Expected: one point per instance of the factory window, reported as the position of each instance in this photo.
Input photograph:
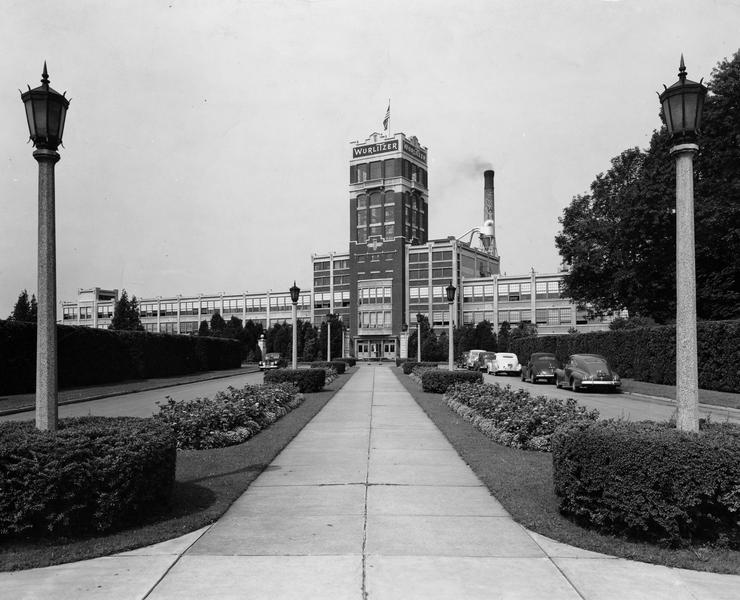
(376, 230)
(526, 291)
(361, 236)
(376, 216)
(418, 273)
(418, 257)
(468, 293)
(388, 213)
(70, 313)
(321, 266)
(341, 264)
(361, 218)
(361, 173)
(553, 289)
(189, 327)
(389, 231)
(445, 273)
(362, 201)
(565, 317)
(541, 316)
(376, 170)
(375, 199)
(514, 292)
(468, 317)
(541, 291)
(444, 255)
(392, 167)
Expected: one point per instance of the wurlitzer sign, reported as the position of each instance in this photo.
(372, 149)
(414, 151)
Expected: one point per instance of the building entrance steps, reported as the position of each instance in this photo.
(369, 501)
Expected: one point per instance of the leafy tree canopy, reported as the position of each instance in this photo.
(24, 310)
(126, 314)
(619, 240)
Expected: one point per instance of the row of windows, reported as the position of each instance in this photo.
(323, 265)
(372, 295)
(323, 300)
(380, 319)
(384, 169)
(437, 273)
(477, 293)
(421, 294)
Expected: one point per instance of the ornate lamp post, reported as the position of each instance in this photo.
(418, 337)
(450, 289)
(294, 293)
(46, 111)
(682, 106)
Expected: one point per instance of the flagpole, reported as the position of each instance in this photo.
(389, 117)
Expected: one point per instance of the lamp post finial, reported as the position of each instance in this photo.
(682, 69)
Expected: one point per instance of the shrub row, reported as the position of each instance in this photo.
(514, 417)
(94, 474)
(306, 380)
(230, 417)
(650, 481)
(649, 353)
(410, 365)
(90, 356)
(436, 381)
(338, 365)
(350, 360)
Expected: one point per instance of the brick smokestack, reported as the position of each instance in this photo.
(488, 205)
(488, 230)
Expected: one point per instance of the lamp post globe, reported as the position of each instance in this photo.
(294, 295)
(682, 105)
(46, 114)
(450, 290)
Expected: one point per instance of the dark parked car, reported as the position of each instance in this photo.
(541, 365)
(587, 370)
(272, 361)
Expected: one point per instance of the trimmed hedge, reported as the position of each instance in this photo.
(231, 417)
(338, 365)
(650, 481)
(400, 361)
(93, 474)
(350, 360)
(436, 381)
(514, 417)
(90, 356)
(649, 353)
(306, 380)
(410, 365)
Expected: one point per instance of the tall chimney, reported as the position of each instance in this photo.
(488, 207)
(488, 231)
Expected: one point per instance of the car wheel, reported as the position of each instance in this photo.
(523, 376)
(573, 386)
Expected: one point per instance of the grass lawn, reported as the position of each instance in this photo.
(207, 482)
(522, 481)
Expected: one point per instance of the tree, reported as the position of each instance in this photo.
(485, 338)
(504, 337)
(523, 330)
(25, 310)
(203, 330)
(126, 314)
(218, 325)
(619, 240)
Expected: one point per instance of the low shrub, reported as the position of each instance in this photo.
(400, 361)
(418, 372)
(651, 482)
(410, 365)
(93, 474)
(338, 365)
(350, 360)
(230, 417)
(306, 380)
(436, 381)
(514, 417)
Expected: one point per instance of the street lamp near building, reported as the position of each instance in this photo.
(294, 294)
(418, 336)
(682, 107)
(450, 289)
(46, 112)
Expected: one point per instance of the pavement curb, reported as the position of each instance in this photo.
(30, 407)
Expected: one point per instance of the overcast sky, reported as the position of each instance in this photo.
(207, 143)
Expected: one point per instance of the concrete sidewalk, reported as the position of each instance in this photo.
(368, 501)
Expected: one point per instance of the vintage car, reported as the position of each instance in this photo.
(484, 359)
(504, 363)
(473, 359)
(272, 360)
(587, 370)
(540, 366)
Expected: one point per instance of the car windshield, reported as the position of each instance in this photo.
(272, 356)
(487, 355)
(593, 364)
(545, 361)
